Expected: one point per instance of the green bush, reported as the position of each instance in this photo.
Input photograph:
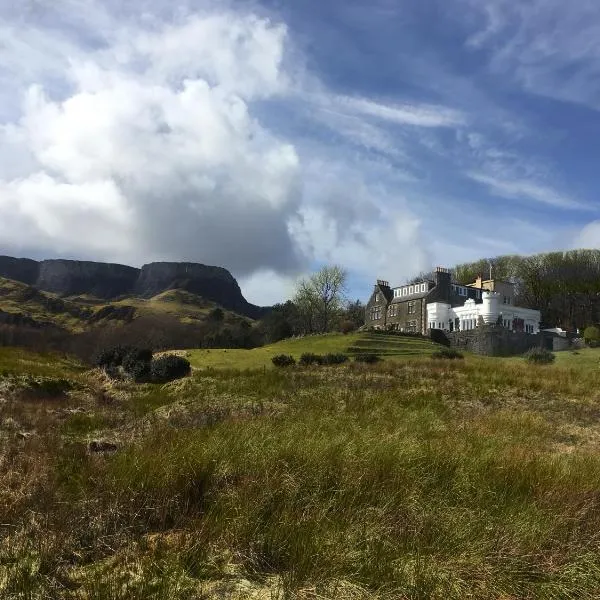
(116, 356)
(137, 363)
(168, 368)
(447, 353)
(308, 358)
(47, 387)
(539, 356)
(367, 357)
(283, 360)
(591, 335)
(335, 359)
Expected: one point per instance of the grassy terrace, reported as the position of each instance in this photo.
(410, 479)
(392, 347)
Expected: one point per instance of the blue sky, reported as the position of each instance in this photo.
(273, 137)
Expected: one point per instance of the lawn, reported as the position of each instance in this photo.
(388, 346)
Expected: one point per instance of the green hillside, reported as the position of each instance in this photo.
(388, 346)
(77, 314)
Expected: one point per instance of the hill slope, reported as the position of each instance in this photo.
(111, 281)
(82, 324)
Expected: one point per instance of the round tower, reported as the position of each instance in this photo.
(489, 309)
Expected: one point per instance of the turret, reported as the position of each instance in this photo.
(489, 310)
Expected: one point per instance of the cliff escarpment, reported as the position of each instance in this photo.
(110, 281)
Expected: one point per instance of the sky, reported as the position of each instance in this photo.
(276, 136)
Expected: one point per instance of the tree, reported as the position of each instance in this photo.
(355, 312)
(320, 298)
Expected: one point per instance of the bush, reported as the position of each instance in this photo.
(347, 327)
(335, 359)
(169, 367)
(591, 335)
(283, 360)
(447, 353)
(116, 356)
(216, 315)
(367, 357)
(539, 356)
(308, 358)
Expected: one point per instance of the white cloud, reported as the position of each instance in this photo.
(589, 236)
(149, 146)
(526, 190)
(550, 47)
(147, 158)
(418, 115)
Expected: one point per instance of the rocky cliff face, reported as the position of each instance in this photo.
(74, 277)
(109, 281)
(24, 270)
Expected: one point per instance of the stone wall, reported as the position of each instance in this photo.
(493, 341)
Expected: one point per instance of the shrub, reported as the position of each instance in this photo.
(335, 359)
(367, 357)
(591, 335)
(283, 360)
(216, 315)
(447, 353)
(539, 356)
(308, 358)
(137, 363)
(115, 356)
(347, 327)
(439, 337)
(47, 387)
(169, 367)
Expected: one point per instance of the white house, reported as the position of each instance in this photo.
(441, 315)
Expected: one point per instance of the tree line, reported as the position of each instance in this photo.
(564, 286)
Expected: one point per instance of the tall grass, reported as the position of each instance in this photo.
(411, 480)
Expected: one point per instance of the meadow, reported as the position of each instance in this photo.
(409, 479)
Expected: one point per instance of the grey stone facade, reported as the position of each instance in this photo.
(409, 312)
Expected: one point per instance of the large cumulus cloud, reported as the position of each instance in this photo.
(153, 143)
(154, 152)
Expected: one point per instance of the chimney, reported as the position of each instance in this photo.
(443, 283)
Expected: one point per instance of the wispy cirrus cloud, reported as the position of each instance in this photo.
(550, 47)
(526, 190)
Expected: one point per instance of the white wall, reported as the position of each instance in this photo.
(439, 315)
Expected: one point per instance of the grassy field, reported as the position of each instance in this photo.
(409, 479)
(391, 347)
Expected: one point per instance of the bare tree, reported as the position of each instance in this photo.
(320, 298)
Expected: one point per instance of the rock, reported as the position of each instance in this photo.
(25, 435)
(19, 269)
(102, 446)
(73, 277)
(213, 283)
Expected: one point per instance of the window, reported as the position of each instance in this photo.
(377, 297)
(411, 326)
(393, 310)
(411, 308)
(404, 290)
(410, 289)
(423, 287)
(376, 313)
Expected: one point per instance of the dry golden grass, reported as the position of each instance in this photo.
(409, 479)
